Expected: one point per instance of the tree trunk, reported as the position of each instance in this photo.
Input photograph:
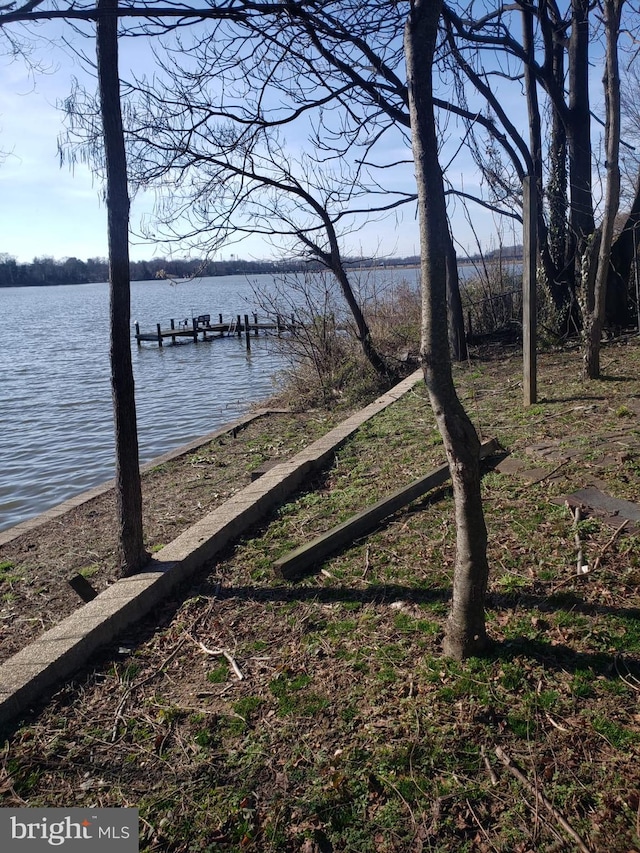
(128, 490)
(333, 261)
(622, 256)
(582, 222)
(455, 314)
(594, 319)
(465, 632)
(363, 332)
(557, 186)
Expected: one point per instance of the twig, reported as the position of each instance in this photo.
(628, 681)
(119, 714)
(224, 653)
(481, 827)
(554, 724)
(366, 563)
(487, 764)
(609, 543)
(578, 541)
(580, 567)
(119, 717)
(513, 768)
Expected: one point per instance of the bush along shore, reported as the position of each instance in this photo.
(250, 713)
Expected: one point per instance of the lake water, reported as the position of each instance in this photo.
(55, 392)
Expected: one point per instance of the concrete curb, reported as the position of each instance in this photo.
(53, 657)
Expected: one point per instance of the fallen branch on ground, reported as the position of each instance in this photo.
(220, 653)
(513, 768)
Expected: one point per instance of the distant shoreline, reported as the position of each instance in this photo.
(60, 274)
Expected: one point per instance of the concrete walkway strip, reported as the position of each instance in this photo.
(53, 657)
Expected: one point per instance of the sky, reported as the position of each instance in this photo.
(48, 209)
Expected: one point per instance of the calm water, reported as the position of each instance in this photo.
(55, 393)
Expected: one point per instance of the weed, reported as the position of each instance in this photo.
(511, 582)
(582, 684)
(293, 698)
(219, 675)
(247, 706)
(341, 628)
(9, 574)
(616, 734)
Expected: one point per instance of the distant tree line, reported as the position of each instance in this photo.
(49, 271)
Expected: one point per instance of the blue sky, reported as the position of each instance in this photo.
(45, 207)
(48, 210)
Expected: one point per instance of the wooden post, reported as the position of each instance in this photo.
(173, 325)
(247, 331)
(194, 323)
(636, 272)
(239, 325)
(529, 267)
(138, 333)
(159, 334)
(81, 585)
(255, 324)
(278, 325)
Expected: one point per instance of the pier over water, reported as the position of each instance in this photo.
(201, 328)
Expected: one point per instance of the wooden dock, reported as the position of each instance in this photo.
(202, 329)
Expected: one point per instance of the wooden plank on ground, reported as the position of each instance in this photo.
(610, 510)
(301, 561)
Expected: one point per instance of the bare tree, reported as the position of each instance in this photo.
(301, 66)
(466, 631)
(553, 56)
(128, 488)
(594, 287)
(259, 189)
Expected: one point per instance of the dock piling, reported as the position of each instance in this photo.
(192, 328)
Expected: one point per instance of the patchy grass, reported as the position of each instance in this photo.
(349, 731)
